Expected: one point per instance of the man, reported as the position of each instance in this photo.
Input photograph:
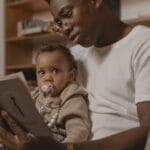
(114, 67)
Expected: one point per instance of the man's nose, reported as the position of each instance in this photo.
(67, 27)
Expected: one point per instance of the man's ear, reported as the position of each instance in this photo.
(48, 1)
(97, 3)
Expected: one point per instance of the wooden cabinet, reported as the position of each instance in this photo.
(19, 51)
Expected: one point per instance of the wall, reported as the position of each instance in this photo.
(115, 6)
(131, 9)
(1, 38)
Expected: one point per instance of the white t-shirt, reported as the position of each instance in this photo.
(117, 77)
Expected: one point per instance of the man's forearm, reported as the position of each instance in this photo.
(133, 139)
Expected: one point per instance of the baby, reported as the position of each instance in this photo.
(58, 97)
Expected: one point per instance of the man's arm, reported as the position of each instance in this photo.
(143, 110)
(133, 139)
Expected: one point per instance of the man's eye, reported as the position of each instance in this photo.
(66, 13)
(58, 22)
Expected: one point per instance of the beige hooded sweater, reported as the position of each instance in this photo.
(66, 115)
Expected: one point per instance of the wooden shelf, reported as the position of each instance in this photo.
(17, 2)
(20, 51)
(22, 67)
(31, 5)
(38, 38)
(145, 20)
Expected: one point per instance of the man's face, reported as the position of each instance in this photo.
(77, 19)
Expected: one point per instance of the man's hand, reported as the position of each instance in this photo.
(13, 141)
(21, 140)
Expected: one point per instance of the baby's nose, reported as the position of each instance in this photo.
(48, 77)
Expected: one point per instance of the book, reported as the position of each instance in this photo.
(15, 98)
(27, 27)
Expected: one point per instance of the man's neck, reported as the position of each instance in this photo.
(113, 34)
(113, 30)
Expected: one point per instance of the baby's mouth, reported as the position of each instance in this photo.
(48, 89)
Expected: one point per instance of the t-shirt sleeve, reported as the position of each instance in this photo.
(141, 66)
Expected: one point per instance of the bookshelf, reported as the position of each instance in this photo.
(30, 5)
(19, 51)
(144, 20)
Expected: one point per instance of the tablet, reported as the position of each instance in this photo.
(17, 101)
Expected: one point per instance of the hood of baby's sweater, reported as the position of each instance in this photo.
(73, 89)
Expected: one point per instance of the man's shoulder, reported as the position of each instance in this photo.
(142, 36)
(143, 31)
(139, 35)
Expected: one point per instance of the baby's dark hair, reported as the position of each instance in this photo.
(60, 48)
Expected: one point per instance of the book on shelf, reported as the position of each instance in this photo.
(15, 98)
(32, 26)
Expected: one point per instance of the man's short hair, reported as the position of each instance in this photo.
(48, 1)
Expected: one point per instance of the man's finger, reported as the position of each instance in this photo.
(6, 138)
(14, 127)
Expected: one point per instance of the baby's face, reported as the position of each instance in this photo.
(53, 72)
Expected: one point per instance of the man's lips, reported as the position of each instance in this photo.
(74, 38)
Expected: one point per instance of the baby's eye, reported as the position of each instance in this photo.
(41, 72)
(55, 71)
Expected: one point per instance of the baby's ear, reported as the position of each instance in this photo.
(72, 75)
(97, 3)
